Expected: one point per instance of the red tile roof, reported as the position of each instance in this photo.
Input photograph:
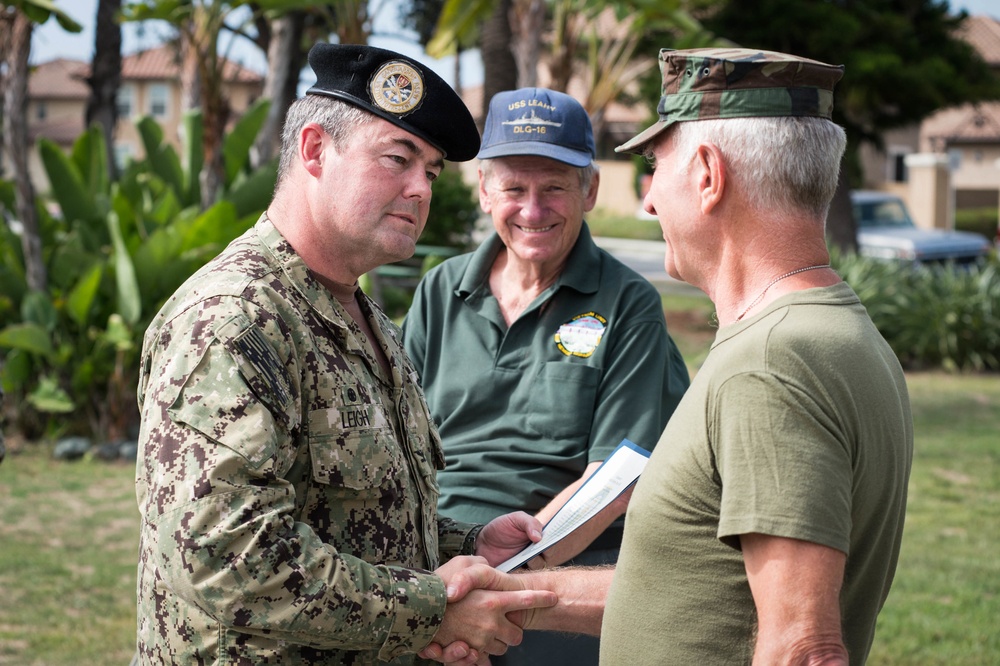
(968, 123)
(58, 79)
(163, 62)
(983, 33)
(66, 79)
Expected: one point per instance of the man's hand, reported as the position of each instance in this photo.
(508, 535)
(487, 620)
(469, 577)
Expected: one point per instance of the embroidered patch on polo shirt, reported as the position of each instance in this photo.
(581, 334)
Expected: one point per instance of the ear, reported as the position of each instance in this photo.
(711, 172)
(591, 200)
(484, 198)
(312, 141)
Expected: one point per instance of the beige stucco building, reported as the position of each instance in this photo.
(150, 86)
(960, 144)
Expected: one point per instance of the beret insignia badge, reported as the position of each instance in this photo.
(397, 87)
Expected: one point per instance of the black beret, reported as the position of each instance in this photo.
(399, 90)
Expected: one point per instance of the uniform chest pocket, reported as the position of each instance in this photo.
(562, 401)
(351, 449)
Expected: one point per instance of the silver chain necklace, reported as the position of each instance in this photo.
(776, 281)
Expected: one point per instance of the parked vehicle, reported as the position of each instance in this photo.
(886, 231)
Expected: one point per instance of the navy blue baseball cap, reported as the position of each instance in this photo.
(398, 89)
(538, 121)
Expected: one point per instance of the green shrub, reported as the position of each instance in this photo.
(931, 315)
(453, 213)
(114, 252)
(979, 220)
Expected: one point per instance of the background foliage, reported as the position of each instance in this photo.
(931, 315)
(116, 248)
(114, 251)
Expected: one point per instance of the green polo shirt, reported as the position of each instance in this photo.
(523, 410)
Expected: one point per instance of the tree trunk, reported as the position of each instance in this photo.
(841, 227)
(15, 40)
(565, 33)
(527, 19)
(458, 70)
(215, 115)
(105, 76)
(189, 74)
(285, 58)
(499, 68)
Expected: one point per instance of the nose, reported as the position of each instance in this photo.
(533, 207)
(647, 204)
(418, 186)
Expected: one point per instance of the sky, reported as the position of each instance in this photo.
(50, 41)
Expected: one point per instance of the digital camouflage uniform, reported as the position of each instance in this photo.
(286, 485)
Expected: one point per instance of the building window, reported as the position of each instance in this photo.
(897, 165)
(41, 111)
(123, 153)
(159, 97)
(123, 102)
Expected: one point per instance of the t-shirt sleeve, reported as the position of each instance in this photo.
(784, 467)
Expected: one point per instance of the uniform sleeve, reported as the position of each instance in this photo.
(456, 538)
(218, 517)
(643, 380)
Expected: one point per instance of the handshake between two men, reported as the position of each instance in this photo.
(488, 610)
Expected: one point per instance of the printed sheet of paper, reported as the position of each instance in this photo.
(611, 479)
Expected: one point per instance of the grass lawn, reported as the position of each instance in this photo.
(68, 535)
(603, 223)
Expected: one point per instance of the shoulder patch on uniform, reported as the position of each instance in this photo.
(581, 335)
(259, 364)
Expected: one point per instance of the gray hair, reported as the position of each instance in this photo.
(777, 163)
(338, 119)
(586, 174)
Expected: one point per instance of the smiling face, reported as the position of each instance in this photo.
(537, 205)
(375, 194)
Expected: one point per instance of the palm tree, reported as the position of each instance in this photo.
(17, 21)
(106, 75)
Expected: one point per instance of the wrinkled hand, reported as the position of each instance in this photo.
(487, 620)
(508, 535)
(485, 610)
(475, 573)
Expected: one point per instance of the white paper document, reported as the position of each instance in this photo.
(611, 479)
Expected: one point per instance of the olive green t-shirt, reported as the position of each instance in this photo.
(798, 425)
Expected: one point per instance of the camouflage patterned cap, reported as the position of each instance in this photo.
(702, 84)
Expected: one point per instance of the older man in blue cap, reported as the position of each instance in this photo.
(540, 352)
(286, 474)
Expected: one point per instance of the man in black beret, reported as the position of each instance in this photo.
(286, 473)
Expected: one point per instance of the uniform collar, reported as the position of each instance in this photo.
(323, 302)
(299, 275)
